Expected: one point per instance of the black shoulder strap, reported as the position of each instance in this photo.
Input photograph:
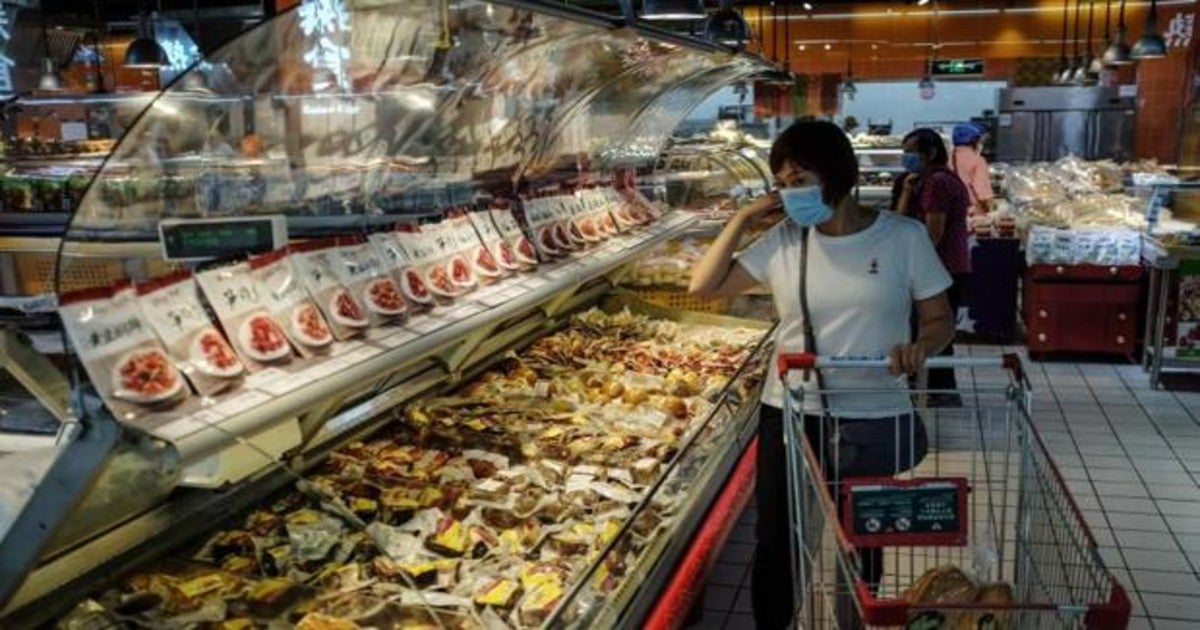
(810, 337)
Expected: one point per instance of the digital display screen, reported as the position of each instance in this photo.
(956, 67)
(217, 239)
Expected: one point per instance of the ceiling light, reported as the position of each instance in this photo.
(727, 27)
(922, 3)
(672, 10)
(807, 6)
(1117, 52)
(803, 47)
(50, 80)
(144, 51)
(1151, 45)
(828, 46)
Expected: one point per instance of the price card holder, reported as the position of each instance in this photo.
(885, 512)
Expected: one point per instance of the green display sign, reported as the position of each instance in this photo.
(925, 512)
(949, 68)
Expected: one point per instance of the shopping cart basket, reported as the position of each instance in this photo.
(980, 532)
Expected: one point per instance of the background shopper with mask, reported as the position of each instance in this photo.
(866, 273)
(971, 168)
(934, 195)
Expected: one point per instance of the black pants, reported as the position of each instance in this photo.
(942, 379)
(863, 448)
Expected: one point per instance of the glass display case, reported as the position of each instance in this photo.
(353, 303)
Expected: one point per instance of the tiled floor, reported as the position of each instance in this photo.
(1131, 457)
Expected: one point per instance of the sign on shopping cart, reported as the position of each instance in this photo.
(878, 512)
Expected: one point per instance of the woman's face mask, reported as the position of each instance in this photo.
(805, 206)
(912, 162)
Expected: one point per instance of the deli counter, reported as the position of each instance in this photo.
(352, 353)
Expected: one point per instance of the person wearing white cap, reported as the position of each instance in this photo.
(971, 168)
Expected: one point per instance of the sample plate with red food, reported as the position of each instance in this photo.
(213, 356)
(525, 251)
(485, 263)
(461, 273)
(145, 376)
(415, 288)
(562, 237)
(507, 258)
(346, 310)
(587, 228)
(547, 241)
(262, 339)
(382, 297)
(440, 283)
(309, 328)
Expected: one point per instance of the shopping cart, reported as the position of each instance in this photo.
(980, 532)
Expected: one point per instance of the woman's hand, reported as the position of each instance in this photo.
(760, 207)
(907, 358)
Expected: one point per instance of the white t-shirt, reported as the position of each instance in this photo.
(861, 289)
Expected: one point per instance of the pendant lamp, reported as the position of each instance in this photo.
(1118, 53)
(672, 10)
(49, 80)
(1064, 64)
(727, 27)
(849, 90)
(1068, 76)
(1151, 45)
(1098, 61)
(144, 51)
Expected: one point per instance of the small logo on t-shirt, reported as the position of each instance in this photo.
(874, 266)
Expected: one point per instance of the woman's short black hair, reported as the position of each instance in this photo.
(930, 144)
(822, 149)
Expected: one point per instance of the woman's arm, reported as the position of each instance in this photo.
(935, 330)
(718, 274)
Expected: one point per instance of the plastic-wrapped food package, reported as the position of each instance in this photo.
(22, 473)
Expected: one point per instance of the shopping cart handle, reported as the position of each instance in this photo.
(806, 361)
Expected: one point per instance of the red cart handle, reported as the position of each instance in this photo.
(789, 362)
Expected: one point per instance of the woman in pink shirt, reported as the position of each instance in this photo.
(971, 168)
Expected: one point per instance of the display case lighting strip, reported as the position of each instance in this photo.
(923, 14)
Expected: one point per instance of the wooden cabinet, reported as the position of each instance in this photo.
(1082, 308)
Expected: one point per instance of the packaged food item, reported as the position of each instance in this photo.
(524, 251)
(543, 225)
(466, 269)
(244, 310)
(290, 304)
(429, 251)
(362, 271)
(566, 231)
(171, 305)
(123, 357)
(317, 262)
(404, 251)
(495, 256)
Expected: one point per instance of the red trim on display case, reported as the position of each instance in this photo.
(687, 582)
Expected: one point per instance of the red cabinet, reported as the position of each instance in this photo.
(1082, 308)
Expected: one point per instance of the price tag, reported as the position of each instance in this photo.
(186, 426)
(534, 283)
(427, 324)
(346, 347)
(493, 299)
(908, 512)
(400, 338)
(240, 403)
(360, 355)
(259, 379)
(324, 369)
(281, 386)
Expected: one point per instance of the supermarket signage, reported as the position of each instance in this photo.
(951, 68)
(905, 512)
(1187, 314)
(326, 25)
(1179, 30)
(6, 62)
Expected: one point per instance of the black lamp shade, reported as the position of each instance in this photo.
(1150, 46)
(1117, 53)
(144, 52)
(727, 27)
(673, 10)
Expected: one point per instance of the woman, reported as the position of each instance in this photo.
(934, 195)
(971, 168)
(866, 272)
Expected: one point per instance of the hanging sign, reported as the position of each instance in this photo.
(1180, 29)
(6, 62)
(905, 512)
(956, 68)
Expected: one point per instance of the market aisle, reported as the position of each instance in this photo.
(1131, 456)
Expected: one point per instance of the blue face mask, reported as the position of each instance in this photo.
(805, 206)
(912, 162)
